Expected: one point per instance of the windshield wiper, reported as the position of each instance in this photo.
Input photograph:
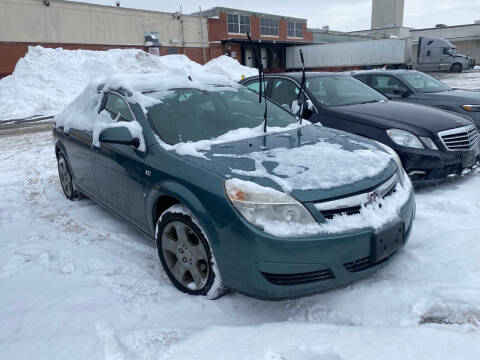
(261, 78)
(368, 102)
(302, 87)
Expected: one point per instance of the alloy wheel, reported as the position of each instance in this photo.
(185, 255)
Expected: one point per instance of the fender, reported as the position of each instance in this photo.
(187, 198)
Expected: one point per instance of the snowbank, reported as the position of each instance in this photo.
(46, 80)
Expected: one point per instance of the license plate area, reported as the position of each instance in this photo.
(387, 241)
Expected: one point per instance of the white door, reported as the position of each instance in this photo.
(263, 53)
(249, 57)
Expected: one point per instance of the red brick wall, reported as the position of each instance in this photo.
(10, 53)
(218, 30)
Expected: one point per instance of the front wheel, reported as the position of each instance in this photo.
(456, 68)
(186, 255)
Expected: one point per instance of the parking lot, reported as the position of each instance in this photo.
(60, 259)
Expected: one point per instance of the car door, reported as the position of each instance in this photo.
(389, 86)
(120, 170)
(80, 153)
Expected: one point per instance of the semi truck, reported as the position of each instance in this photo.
(432, 54)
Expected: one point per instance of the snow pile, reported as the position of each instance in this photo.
(46, 80)
(227, 66)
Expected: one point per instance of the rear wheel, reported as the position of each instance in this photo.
(402, 67)
(186, 255)
(456, 68)
(66, 177)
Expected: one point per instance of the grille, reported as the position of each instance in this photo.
(459, 139)
(300, 278)
(353, 204)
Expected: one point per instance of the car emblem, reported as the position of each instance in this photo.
(374, 196)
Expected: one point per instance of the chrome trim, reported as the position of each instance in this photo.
(463, 134)
(359, 199)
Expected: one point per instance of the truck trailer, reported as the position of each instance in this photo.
(432, 54)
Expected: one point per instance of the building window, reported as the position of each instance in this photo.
(295, 29)
(238, 24)
(268, 27)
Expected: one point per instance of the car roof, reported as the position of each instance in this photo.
(298, 75)
(380, 72)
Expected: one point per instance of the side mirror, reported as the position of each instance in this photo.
(118, 135)
(401, 92)
(298, 106)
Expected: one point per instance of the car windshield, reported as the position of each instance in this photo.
(424, 83)
(342, 90)
(194, 115)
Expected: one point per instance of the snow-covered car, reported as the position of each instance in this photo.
(280, 211)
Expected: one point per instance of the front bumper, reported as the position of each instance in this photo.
(432, 166)
(258, 259)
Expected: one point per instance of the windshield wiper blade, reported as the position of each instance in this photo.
(369, 102)
(261, 78)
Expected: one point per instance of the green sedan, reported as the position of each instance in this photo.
(273, 212)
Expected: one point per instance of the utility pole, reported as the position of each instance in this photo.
(201, 31)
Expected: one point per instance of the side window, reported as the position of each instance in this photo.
(117, 107)
(386, 84)
(255, 85)
(284, 91)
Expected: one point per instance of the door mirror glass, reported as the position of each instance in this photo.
(401, 92)
(118, 135)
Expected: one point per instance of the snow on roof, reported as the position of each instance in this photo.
(46, 80)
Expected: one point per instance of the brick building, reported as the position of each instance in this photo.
(228, 28)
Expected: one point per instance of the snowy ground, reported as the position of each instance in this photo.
(77, 283)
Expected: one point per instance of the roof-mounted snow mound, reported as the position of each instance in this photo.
(46, 80)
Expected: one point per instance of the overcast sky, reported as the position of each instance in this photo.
(344, 15)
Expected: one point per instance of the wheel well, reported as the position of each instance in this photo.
(162, 204)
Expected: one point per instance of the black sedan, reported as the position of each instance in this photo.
(432, 143)
(417, 87)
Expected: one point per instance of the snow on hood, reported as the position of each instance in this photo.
(46, 80)
(324, 160)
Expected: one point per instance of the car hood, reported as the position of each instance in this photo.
(312, 163)
(393, 114)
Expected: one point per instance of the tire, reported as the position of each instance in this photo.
(402, 67)
(456, 68)
(186, 255)
(66, 180)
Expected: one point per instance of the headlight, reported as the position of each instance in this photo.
(404, 138)
(429, 142)
(265, 207)
(472, 108)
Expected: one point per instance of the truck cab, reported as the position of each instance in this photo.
(437, 54)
